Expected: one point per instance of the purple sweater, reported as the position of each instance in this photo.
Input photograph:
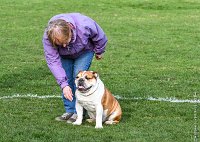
(86, 35)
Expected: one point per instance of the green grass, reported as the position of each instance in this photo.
(153, 50)
(33, 120)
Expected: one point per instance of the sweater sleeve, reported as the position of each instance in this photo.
(54, 63)
(98, 37)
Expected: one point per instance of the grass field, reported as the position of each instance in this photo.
(153, 51)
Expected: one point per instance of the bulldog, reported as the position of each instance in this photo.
(91, 94)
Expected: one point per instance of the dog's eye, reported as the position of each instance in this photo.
(77, 77)
(87, 77)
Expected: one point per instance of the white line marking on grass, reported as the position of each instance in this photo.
(29, 96)
(172, 100)
(195, 120)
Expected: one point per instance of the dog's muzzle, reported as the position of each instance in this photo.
(82, 87)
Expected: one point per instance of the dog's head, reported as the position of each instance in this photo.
(86, 80)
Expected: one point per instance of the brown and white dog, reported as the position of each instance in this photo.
(92, 95)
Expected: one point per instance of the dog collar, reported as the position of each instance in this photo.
(94, 90)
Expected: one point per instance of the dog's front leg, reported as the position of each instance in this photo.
(99, 115)
(79, 110)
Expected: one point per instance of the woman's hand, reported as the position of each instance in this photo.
(98, 57)
(67, 91)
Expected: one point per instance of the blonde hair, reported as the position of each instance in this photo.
(58, 28)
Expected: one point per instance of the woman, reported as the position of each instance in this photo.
(70, 41)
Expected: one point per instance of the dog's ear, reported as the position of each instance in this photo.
(95, 74)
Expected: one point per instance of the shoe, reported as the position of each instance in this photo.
(64, 117)
(72, 118)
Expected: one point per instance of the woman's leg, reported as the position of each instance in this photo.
(83, 62)
(72, 67)
(68, 65)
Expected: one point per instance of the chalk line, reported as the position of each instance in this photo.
(29, 96)
(168, 99)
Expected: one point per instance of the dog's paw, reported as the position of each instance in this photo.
(98, 126)
(110, 122)
(77, 123)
